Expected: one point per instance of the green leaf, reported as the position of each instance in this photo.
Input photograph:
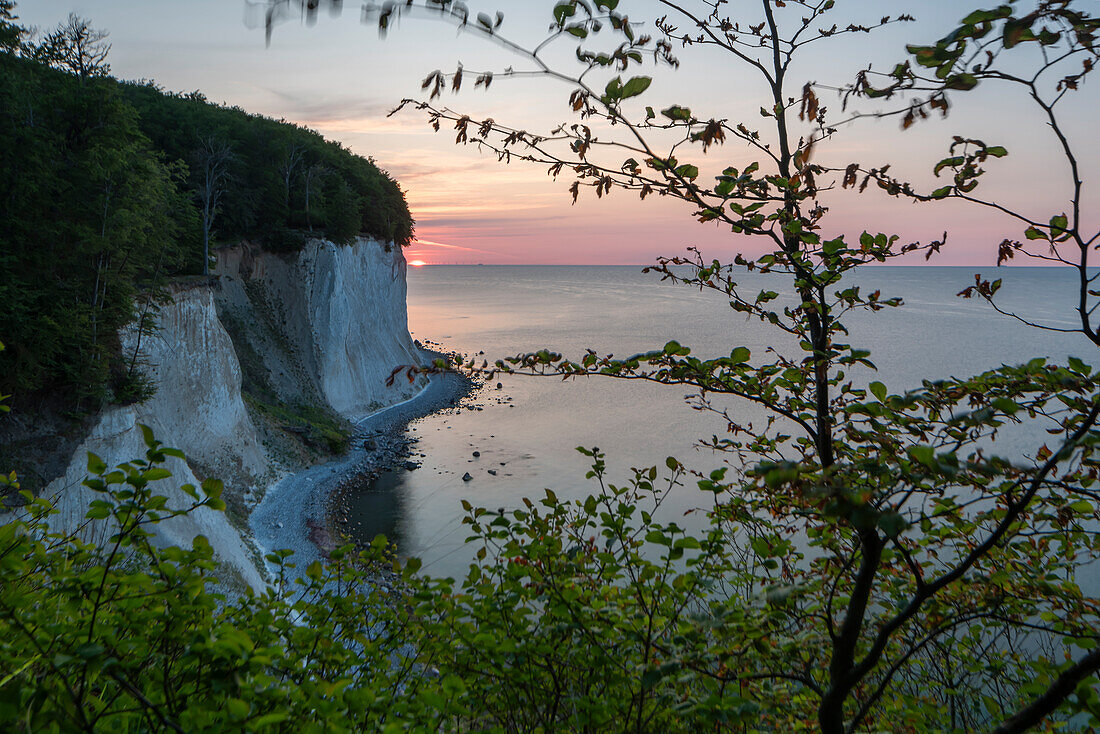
(1017, 31)
(238, 709)
(213, 487)
(614, 90)
(96, 465)
(688, 171)
(878, 390)
(892, 523)
(269, 719)
(956, 160)
(761, 547)
(147, 435)
(452, 685)
(636, 86)
(563, 11)
(924, 454)
(740, 355)
(1078, 366)
(1033, 233)
(985, 16)
(676, 112)
(961, 82)
(19, 671)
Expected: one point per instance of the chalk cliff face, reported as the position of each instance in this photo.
(334, 327)
(338, 314)
(198, 409)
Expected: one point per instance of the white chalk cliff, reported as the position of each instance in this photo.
(335, 326)
(341, 309)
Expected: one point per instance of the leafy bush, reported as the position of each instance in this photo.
(100, 629)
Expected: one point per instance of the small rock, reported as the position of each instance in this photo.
(411, 465)
(477, 454)
(493, 472)
(500, 385)
(466, 477)
(370, 445)
(279, 525)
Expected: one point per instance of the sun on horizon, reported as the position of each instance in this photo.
(417, 263)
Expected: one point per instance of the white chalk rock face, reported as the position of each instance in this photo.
(359, 319)
(339, 312)
(197, 408)
(198, 404)
(345, 310)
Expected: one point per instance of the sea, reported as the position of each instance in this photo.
(525, 433)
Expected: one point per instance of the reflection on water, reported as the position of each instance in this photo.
(526, 433)
(379, 509)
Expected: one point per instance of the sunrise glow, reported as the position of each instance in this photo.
(418, 263)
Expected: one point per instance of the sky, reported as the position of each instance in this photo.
(339, 77)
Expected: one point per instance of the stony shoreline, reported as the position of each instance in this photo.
(302, 512)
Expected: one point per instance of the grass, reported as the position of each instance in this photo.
(316, 426)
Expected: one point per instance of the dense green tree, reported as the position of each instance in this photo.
(90, 215)
(268, 194)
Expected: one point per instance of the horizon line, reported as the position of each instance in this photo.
(645, 265)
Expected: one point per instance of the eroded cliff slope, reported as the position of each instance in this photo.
(311, 343)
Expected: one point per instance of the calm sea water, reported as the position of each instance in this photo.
(527, 431)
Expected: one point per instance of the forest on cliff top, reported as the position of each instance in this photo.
(109, 189)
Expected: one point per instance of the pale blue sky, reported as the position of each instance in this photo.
(341, 79)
